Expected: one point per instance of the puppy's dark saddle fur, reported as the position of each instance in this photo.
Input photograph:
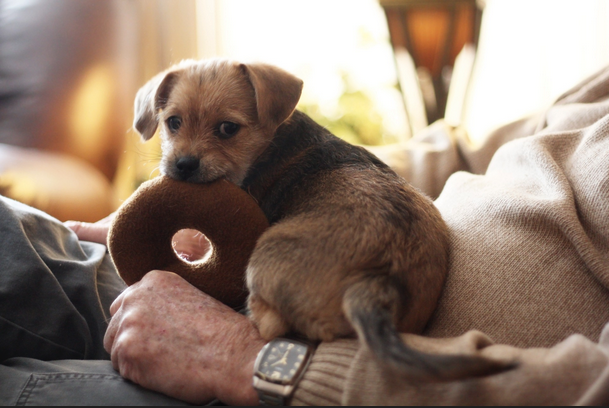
(301, 152)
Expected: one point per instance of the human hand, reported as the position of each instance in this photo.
(170, 337)
(93, 232)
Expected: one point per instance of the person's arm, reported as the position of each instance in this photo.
(574, 371)
(170, 337)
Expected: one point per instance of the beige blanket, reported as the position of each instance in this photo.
(529, 220)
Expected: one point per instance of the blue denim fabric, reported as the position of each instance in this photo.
(31, 382)
(55, 295)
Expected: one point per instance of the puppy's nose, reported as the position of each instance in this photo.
(186, 166)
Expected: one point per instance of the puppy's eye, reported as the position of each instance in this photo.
(228, 130)
(174, 123)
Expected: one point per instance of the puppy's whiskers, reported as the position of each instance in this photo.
(157, 168)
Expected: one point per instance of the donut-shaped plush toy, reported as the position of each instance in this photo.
(140, 237)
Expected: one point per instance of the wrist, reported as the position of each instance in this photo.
(249, 396)
(236, 388)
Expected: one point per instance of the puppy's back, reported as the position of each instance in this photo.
(353, 249)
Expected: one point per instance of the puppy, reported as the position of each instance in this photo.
(352, 248)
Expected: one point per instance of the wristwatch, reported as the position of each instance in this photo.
(278, 368)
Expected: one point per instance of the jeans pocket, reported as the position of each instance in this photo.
(88, 389)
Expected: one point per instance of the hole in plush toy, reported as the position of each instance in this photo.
(191, 246)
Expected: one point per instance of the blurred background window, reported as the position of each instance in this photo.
(339, 48)
(529, 52)
(69, 69)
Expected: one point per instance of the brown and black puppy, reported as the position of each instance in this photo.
(352, 248)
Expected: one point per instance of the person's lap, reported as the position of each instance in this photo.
(55, 294)
(26, 381)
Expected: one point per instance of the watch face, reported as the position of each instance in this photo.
(282, 361)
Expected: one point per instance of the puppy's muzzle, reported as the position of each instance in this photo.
(186, 167)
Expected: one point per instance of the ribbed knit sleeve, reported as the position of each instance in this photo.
(324, 381)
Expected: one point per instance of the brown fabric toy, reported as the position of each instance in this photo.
(140, 238)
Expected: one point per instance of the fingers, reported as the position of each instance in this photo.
(109, 338)
(117, 311)
(97, 232)
(118, 301)
(114, 325)
(89, 232)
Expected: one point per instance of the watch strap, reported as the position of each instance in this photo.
(271, 400)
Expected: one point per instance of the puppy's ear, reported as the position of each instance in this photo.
(149, 99)
(277, 92)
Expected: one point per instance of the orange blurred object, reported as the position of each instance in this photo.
(68, 71)
(434, 32)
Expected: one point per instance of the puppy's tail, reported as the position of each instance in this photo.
(371, 305)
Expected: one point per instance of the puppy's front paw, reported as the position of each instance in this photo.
(270, 324)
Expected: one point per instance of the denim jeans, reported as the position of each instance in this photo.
(55, 295)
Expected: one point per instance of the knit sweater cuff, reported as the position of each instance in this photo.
(324, 381)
